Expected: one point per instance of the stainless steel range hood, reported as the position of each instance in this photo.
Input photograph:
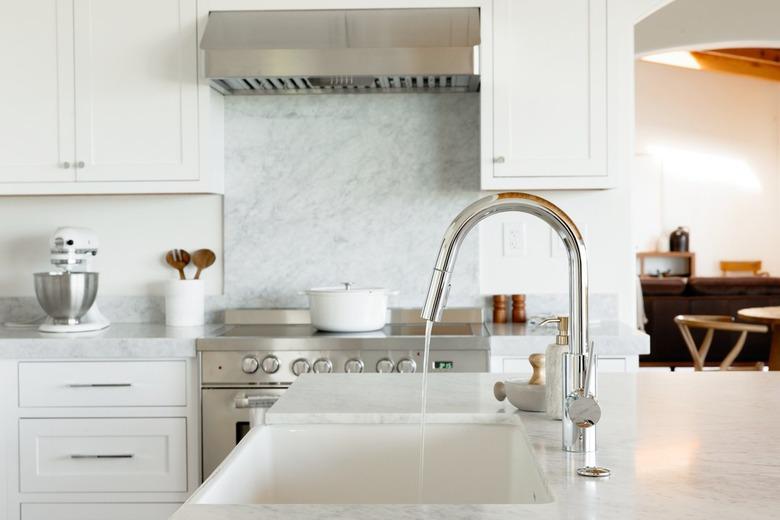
(343, 51)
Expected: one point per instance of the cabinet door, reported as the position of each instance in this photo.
(36, 91)
(136, 90)
(550, 92)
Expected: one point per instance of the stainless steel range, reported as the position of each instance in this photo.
(250, 365)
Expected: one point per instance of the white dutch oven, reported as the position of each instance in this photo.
(348, 308)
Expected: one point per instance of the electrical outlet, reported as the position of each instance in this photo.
(514, 239)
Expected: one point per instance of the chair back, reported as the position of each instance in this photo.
(740, 267)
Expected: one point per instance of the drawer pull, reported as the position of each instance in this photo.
(99, 385)
(107, 456)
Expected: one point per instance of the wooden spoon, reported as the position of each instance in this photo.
(178, 259)
(202, 259)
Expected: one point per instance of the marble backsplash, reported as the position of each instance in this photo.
(326, 189)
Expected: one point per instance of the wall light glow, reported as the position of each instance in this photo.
(706, 168)
(677, 58)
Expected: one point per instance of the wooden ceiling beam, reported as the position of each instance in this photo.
(718, 61)
(768, 56)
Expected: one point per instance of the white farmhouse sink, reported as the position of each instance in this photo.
(377, 464)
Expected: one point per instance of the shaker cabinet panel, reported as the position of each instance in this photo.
(136, 90)
(36, 91)
(549, 93)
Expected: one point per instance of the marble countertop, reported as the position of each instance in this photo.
(521, 339)
(120, 340)
(680, 445)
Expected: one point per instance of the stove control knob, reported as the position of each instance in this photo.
(385, 365)
(270, 364)
(322, 366)
(249, 364)
(300, 366)
(407, 366)
(354, 366)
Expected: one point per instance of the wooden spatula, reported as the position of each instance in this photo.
(178, 259)
(203, 259)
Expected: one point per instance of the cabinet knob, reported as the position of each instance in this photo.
(80, 164)
(66, 165)
(499, 160)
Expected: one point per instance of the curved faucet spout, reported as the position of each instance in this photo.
(577, 436)
(523, 203)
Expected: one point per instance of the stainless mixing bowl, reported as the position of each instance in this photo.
(66, 297)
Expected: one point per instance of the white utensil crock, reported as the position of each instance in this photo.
(184, 303)
(348, 308)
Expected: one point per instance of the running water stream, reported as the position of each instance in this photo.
(423, 402)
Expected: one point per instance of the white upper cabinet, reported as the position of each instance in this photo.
(549, 96)
(102, 96)
(136, 90)
(36, 91)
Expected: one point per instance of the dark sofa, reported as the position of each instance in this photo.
(665, 298)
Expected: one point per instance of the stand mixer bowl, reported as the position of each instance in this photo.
(66, 296)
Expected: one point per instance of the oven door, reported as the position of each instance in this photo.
(228, 414)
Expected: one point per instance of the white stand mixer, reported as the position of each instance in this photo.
(73, 250)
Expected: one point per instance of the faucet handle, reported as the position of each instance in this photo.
(584, 411)
(589, 368)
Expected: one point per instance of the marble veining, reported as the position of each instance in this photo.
(326, 189)
(685, 445)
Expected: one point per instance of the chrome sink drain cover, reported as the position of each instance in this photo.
(593, 471)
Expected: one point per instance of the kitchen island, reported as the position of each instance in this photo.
(693, 445)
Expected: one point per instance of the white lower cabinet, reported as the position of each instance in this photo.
(97, 439)
(99, 455)
(98, 511)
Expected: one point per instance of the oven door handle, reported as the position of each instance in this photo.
(255, 401)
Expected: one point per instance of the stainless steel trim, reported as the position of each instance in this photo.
(104, 456)
(343, 51)
(255, 401)
(302, 316)
(99, 385)
(479, 341)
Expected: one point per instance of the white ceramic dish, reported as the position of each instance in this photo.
(529, 398)
(348, 308)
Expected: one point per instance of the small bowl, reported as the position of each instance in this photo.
(521, 395)
(65, 296)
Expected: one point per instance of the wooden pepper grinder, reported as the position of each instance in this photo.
(499, 308)
(518, 308)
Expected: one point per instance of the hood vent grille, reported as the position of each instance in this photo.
(347, 84)
(346, 51)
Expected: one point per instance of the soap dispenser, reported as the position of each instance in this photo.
(553, 390)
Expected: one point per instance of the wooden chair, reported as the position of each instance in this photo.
(711, 324)
(741, 267)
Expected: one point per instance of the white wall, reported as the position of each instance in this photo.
(703, 24)
(715, 138)
(134, 232)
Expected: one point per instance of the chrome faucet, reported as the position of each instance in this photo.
(580, 408)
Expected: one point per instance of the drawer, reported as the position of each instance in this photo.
(95, 455)
(98, 511)
(102, 383)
